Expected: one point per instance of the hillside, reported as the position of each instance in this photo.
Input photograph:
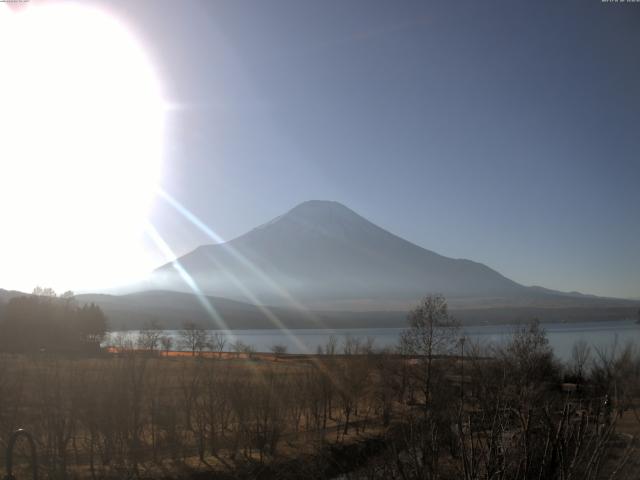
(172, 309)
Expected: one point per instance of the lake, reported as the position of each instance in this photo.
(561, 336)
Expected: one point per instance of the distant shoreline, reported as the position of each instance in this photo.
(346, 320)
(394, 327)
(603, 334)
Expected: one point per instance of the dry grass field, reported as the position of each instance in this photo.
(140, 415)
(149, 415)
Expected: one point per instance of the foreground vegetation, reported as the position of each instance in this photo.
(437, 407)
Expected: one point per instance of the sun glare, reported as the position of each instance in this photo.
(81, 119)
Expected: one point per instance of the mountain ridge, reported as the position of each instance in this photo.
(327, 256)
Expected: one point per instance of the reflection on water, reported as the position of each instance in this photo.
(561, 336)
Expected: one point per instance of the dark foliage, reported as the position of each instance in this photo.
(44, 323)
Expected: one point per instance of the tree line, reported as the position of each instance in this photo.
(45, 322)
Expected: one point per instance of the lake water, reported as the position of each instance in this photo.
(561, 336)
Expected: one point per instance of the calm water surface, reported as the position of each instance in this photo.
(561, 336)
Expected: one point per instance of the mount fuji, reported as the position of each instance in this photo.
(323, 255)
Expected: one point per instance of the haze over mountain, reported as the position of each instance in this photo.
(326, 256)
(323, 265)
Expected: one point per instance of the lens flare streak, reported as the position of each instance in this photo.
(170, 255)
(238, 256)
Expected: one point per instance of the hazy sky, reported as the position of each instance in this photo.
(504, 132)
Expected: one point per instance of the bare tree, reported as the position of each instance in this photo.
(122, 342)
(239, 347)
(44, 292)
(580, 355)
(330, 348)
(279, 350)
(193, 337)
(249, 350)
(358, 346)
(351, 345)
(218, 341)
(149, 336)
(431, 331)
(167, 343)
(528, 359)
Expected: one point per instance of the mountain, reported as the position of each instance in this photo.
(5, 296)
(325, 256)
(323, 265)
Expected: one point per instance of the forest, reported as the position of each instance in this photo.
(44, 322)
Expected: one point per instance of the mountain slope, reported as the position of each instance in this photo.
(326, 256)
(172, 309)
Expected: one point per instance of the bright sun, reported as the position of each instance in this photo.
(81, 119)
